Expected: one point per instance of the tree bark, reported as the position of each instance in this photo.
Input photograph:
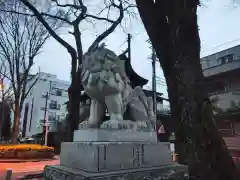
(74, 94)
(173, 31)
(6, 128)
(16, 121)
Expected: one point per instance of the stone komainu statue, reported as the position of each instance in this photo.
(105, 81)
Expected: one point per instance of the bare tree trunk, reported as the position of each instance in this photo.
(74, 104)
(2, 109)
(74, 94)
(173, 30)
(16, 121)
(199, 143)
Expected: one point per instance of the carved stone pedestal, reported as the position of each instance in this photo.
(115, 160)
(113, 156)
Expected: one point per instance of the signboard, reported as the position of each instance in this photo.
(161, 130)
(49, 123)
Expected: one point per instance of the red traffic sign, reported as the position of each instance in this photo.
(161, 130)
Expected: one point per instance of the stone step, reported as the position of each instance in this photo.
(232, 142)
(168, 172)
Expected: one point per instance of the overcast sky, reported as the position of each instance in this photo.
(219, 29)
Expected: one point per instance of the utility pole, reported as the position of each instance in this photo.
(45, 125)
(45, 121)
(154, 81)
(129, 46)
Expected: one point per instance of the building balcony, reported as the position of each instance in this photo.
(222, 68)
(226, 99)
(55, 106)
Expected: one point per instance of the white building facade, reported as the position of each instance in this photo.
(222, 71)
(47, 99)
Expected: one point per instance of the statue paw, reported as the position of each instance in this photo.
(86, 125)
(117, 125)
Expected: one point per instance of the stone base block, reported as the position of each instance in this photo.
(105, 135)
(171, 172)
(127, 124)
(111, 156)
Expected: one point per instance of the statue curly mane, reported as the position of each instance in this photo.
(103, 69)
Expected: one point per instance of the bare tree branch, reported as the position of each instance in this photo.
(22, 37)
(99, 18)
(47, 26)
(57, 17)
(12, 11)
(111, 28)
(4, 74)
(31, 86)
(75, 6)
(82, 14)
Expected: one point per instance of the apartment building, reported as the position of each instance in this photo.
(46, 99)
(222, 72)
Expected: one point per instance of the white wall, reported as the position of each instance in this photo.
(36, 97)
(225, 99)
(160, 106)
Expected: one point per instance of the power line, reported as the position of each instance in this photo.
(162, 84)
(123, 43)
(226, 43)
(162, 81)
(158, 82)
(159, 77)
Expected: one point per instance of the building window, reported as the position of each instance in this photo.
(58, 106)
(58, 92)
(226, 59)
(53, 104)
(41, 122)
(42, 108)
(159, 106)
(52, 116)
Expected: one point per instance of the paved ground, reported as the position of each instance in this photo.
(23, 168)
